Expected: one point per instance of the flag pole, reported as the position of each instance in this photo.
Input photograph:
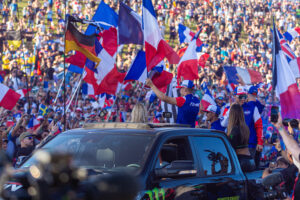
(114, 103)
(274, 69)
(59, 89)
(74, 94)
(64, 79)
(76, 89)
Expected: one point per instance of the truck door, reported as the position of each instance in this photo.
(172, 152)
(221, 176)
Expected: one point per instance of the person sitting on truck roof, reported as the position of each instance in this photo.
(139, 114)
(188, 104)
(238, 134)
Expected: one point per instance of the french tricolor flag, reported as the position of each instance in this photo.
(33, 123)
(230, 87)
(138, 69)
(23, 92)
(186, 35)
(295, 67)
(284, 81)
(156, 48)
(8, 97)
(292, 33)
(207, 100)
(269, 87)
(188, 65)
(249, 76)
(105, 77)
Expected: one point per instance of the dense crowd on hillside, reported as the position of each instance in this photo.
(235, 33)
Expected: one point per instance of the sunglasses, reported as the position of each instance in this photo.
(242, 97)
(29, 138)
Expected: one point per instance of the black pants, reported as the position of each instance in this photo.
(247, 163)
(256, 156)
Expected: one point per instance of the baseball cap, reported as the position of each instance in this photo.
(213, 108)
(24, 135)
(220, 96)
(78, 109)
(252, 90)
(187, 84)
(240, 90)
(40, 117)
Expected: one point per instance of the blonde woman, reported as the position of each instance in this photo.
(139, 114)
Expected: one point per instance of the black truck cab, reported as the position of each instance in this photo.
(171, 161)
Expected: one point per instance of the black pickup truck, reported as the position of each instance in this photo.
(172, 162)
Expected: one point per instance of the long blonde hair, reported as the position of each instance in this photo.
(237, 118)
(139, 114)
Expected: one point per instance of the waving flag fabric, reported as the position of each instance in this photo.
(33, 123)
(105, 77)
(108, 18)
(156, 48)
(80, 42)
(286, 48)
(129, 26)
(295, 67)
(188, 65)
(207, 100)
(186, 35)
(138, 69)
(14, 38)
(23, 92)
(43, 110)
(292, 33)
(248, 76)
(8, 97)
(162, 80)
(284, 81)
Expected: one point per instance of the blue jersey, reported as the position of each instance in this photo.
(254, 122)
(259, 106)
(188, 109)
(217, 125)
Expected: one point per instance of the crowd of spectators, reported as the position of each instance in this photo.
(235, 33)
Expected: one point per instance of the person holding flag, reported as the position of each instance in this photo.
(188, 104)
(253, 121)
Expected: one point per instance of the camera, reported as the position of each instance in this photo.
(167, 115)
(103, 113)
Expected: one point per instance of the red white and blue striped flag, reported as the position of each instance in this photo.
(156, 48)
(292, 33)
(284, 81)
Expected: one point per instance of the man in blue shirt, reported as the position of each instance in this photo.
(252, 99)
(188, 104)
(212, 113)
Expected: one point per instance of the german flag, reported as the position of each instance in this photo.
(14, 38)
(77, 41)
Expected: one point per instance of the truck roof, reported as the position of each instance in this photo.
(141, 128)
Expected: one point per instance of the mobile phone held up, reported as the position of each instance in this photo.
(274, 114)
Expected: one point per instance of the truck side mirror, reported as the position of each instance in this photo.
(177, 168)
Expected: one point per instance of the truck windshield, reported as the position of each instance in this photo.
(99, 150)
